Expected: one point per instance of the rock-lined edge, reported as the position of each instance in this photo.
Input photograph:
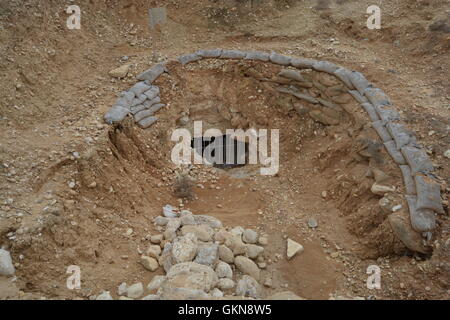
(398, 141)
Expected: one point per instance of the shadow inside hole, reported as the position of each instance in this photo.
(222, 151)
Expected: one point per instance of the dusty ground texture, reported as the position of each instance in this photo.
(71, 186)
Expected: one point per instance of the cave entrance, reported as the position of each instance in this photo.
(223, 152)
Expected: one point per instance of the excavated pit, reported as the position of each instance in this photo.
(325, 195)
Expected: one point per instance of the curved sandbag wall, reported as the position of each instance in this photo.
(328, 97)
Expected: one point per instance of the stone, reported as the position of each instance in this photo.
(105, 295)
(252, 251)
(203, 232)
(122, 289)
(153, 73)
(157, 238)
(216, 293)
(247, 266)
(312, 223)
(115, 114)
(232, 54)
(280, 59)
(184, 249)
(235, 244)
(422, 220)
(208, 220)
(225, 284)
(248, 287)
(207, 254)
(221, 236)
(169, 211)
(225, 254)
(428, 194)
(264, 241)
(291, 74)
(149, 263)
(173, 223)
(238, 231)
(188, 58)
(166, 260)
(417, 159)
(250, 236)
(169, 293)
(156, 283)
(161, 221)
(147, 122)
(293, 248)
(154, 251)
(6, 264)
(223, 270)
(381, 190)
(191, 275)
(447, 154)
(120, 72)
(135, 291)
(151, 297)
(284, 295)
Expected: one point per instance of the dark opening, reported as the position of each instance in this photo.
(222, 151)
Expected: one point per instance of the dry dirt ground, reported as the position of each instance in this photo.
(71, 186)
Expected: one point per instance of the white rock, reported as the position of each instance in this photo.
(225, 284)
(169, 211)
(379, 189)
(248, 287)
(247, 266)
(6, 264)
(223, 270)
(216, 293)
(156, 283)
(225, 254)
(135, 291)
(105, 295)
(184, 249)
(149, 263)
(122, 289)
(154, 251)
(250, 236)
(207, 254)
(293, 248)
(447, 154)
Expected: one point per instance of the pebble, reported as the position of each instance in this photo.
(312, 223)
(250, 236)
(135, 291)
(6, 264)
(223, 270)
(149, 263)
(105, 295)
(247, 266)
(293, 248)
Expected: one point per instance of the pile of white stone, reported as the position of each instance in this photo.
(202, 260)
